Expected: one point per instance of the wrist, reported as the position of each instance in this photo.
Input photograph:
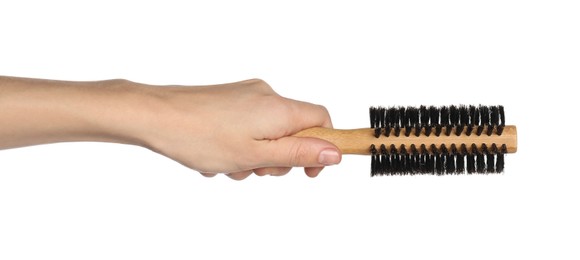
(131, 113)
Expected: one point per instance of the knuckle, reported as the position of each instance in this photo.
(208, 175)
(323, 109)
(234, 176)
(259, 83)
(261, 173)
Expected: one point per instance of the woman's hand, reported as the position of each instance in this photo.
(237, 129)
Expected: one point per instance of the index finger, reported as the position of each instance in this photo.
(307, 115)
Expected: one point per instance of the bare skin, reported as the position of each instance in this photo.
(237, 128)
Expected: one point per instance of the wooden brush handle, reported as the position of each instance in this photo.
(358, 141)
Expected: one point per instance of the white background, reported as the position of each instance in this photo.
(108, 201)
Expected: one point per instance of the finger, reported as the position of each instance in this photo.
(316, 115)
(238, 176)
(313, 171)
(293, 151)
(274, 171)
(207, 174)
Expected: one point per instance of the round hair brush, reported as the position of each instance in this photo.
(428, 140)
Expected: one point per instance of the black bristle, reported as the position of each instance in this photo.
(459, 130)
(409, 119)
(438, 163)
(463, 120)
(464, 115)
(385, 164)
(484, 112)
(474, 117)
(499, 130)
(471, 159)
(489, 130)
(397, 131)
(401, 112)
(381, 122)
(414, 159)
(495, 151)
(486, 119)
(403, 164)
(438, 130)
(490, 163)
(453, 115)
(480, 161)
(374, 164)
(494, 148)
(499, 163)
(501, 116)
(424, 115)
(383, 149)
(489, 159)
(408, 130)
(373, 149)
(409, 164)
(494, 115)
(451, 163)
(422, 163)
(418, 130)
(444, 115)
(449, 160)
(391, 117)
(416, 164)
(479, 130)
(385, 160)
(445, 122)
(501, 125)
(454, 118)
(428, 130)
(460, 159)
(469, 130)
(396, 120)
(382, 114)
(393, 159)
(448, 130)
(405, 118)
(377, 132)
(434, 113)
(424, 167)
(391, 120)
(413, 113)
(373, 117)
(431, 164)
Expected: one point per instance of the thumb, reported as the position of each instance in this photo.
(294, 151)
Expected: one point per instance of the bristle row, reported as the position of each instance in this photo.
(445, 120)
(437, 160)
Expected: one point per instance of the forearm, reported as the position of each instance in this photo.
(34, 111)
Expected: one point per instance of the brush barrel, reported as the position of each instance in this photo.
(358, 141)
